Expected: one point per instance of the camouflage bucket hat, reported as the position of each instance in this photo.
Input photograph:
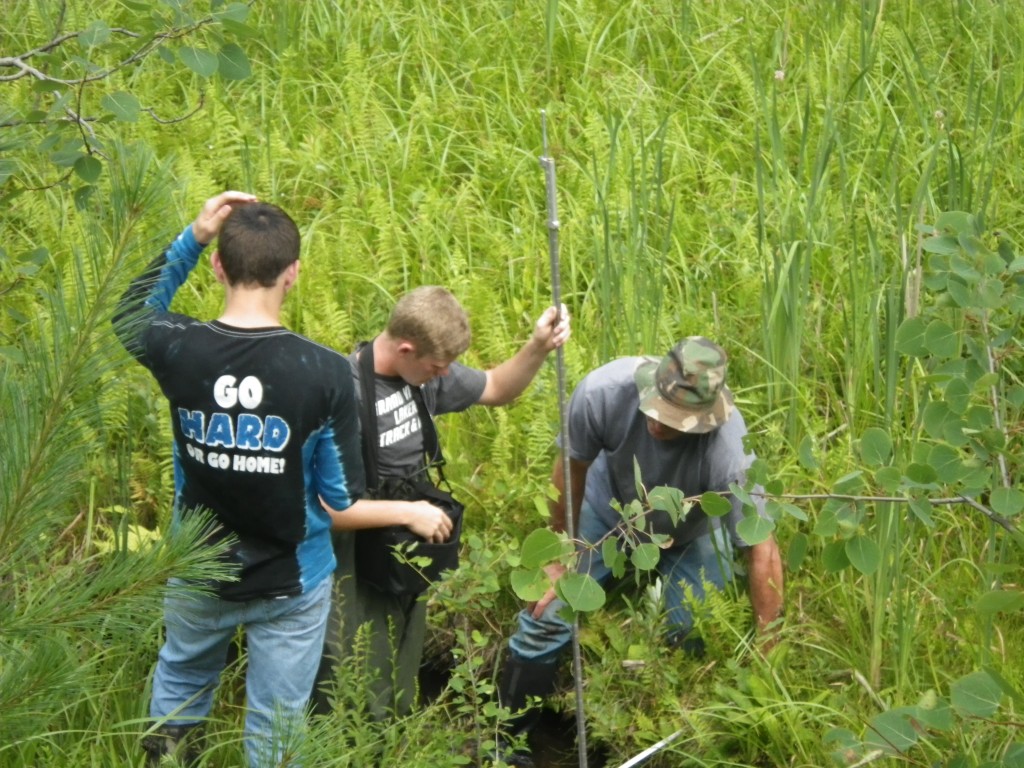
(686, 388)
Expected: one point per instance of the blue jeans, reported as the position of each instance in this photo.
(285, 637)
(707, 558)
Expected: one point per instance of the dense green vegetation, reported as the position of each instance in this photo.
(778, 176)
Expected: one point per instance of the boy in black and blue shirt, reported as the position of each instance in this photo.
(266, 437)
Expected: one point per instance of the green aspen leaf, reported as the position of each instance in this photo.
(892, 732)
(944, 245)
(827, 524)
(863, 554)
(979, 417)
(977, 480)
(975, 695)
(921, 475)
(805, 453)
(759, 472)
(1013, 757)
(941, 340)
(122, 105)
(540, 505)
(234, 11)
(88, 168)
(776, 510)
(982, 381)
(947, 464)
(964, 269)
(741, 493)
(990, 293)
(47, 86)
(234, 64)
(936, 277)
(83, 195)
(972, 245)
(999, 601)
(935, 417)
(875, 447)
(67, 154)
(1008, 502)
(957, 395)
(834, 558)
(541, 547)
(199, 60)
(921, 506)
(666, 499)
(1004, 684)
(166, 55)
(529, 584)
(714, 504)
(992, 264)
(580, 591)
(645, 557)
(956, 222)
(889, 479)
(754, 529)
(934, 712)
(910, 337)
(237, 30)
(793, 511)
(97, 33)
(851, 483)
(797, 551)
(614, 558)
(993, 439)
(960, 292)
(842, 743)
(953, 433)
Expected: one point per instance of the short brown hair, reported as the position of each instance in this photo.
(433, 320)
(257, 242)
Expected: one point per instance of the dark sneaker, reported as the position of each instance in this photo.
(180, 742)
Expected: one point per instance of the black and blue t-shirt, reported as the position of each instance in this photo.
(265, 425)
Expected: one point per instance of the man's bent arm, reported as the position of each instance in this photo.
(766, 587)
(556, 509)
(578, 483)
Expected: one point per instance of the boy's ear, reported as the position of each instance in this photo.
(406, 347)
(218, 267)
(291, 274)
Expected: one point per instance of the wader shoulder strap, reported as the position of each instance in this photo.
(367, 417)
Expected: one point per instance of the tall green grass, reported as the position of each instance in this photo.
(751, 171)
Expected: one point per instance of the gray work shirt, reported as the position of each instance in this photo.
(607, 428)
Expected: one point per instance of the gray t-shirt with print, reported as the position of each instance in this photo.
(607, 428)
(399, 429)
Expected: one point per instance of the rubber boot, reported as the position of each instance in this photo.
(182, 742)
(520, 680)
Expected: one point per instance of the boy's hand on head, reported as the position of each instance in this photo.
(215, 210)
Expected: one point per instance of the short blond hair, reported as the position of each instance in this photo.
(433, 320)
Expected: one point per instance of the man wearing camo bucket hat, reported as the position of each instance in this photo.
(674, 419)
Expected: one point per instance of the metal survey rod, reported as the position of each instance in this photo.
(548, 164)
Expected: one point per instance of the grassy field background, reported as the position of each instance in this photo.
(757, 172)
